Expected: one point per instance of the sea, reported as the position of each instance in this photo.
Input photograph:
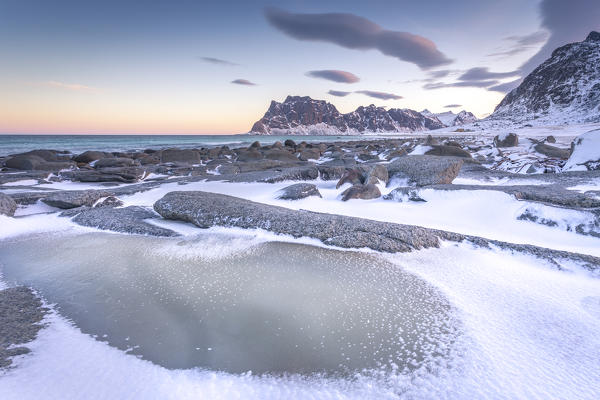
(13, 144)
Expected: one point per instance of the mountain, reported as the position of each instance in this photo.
(563, 89)
(448, 118)
(306, 116)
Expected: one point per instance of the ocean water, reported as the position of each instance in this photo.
(12, 144)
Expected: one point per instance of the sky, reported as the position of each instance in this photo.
(197, 67)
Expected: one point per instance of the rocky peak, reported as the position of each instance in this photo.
(593, 37)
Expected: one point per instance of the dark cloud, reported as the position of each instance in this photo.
(453, 106)
(334, 75)
(519, 44)
(506, 87)
(477, 84)
(379, 95)
(483, 73)
(218, 61)
(354, 32)
(243, 82)
(567, 22)
(338, 93)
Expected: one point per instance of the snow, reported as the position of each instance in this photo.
(587, 149)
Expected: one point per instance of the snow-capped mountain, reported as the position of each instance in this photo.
(306, 116)
(448, 118)
(564, 89)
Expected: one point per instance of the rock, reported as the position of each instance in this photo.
(552, 151)
(125, 175)
(255, 145)
(183, 156)
(586, 152)
(289, 143)
(431, 141)
(310, 154)
(249, 155)
(7, 205)
(424, 170)
(211, 209)
(364, 192)
(352, 176)
(74, 198)
(280, 155)
(396, 153)
(89, 156)
(110, 201)
(378, 173)
(130, 219)
(452, 143)
(299, 191)
(33, 162)
(401, 194)
(506, 140)
(367, 157)
(442, 150)
(21, 315)
(551, 139)
(114, 162)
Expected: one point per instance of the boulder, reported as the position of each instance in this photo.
(289, 143)
(89, 156)
(309, 154)
(551, 139)
(182, 156)
(249, 155)
(395, 154)
(280, 155)
(378, 173)
(552, 151)
(114, 162)
(352, 176)
(7, 205)
(443, 150)
(124, 175)
(364, 192)
(424, 170)
(586, 152)
(506, 140)
(74, 198)
(299, 191)
(110, 201)
(34, 162)
(255, 145)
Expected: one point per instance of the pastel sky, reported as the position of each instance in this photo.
(213, 67)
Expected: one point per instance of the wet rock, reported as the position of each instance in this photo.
(552, 151)
(509, 140)
(364, 192)
(424, 170)
(352, 176)
(299, 191)
(402, 194)
(442, 150)
(377, 173)
(7, 205)
(114, 162)
(130, 219)
(74, 198)
(21, 315)
(89, 156)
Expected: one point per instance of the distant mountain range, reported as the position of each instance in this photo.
(306, 116)
(564, 89)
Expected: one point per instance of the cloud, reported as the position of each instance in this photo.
(453, 106)
(476, 84)
(483, 73)
(379, 95)
(519, 44)
(354, 32)
(334, 75)
(70, 86)
(567, 22)
(218, 61)
(506, 87)
(439, 74)
(243, 82)
(338, 93)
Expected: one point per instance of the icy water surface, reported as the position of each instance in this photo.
(225, 303)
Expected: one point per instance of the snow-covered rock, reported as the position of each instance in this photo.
(448, 118)
(305, 116)
(586, 152)
(564, 89)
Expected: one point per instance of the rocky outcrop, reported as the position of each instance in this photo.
(506, 140)
(586, 153)
(74, 198)
(303, 115)
(563, 89)
(364, 192)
